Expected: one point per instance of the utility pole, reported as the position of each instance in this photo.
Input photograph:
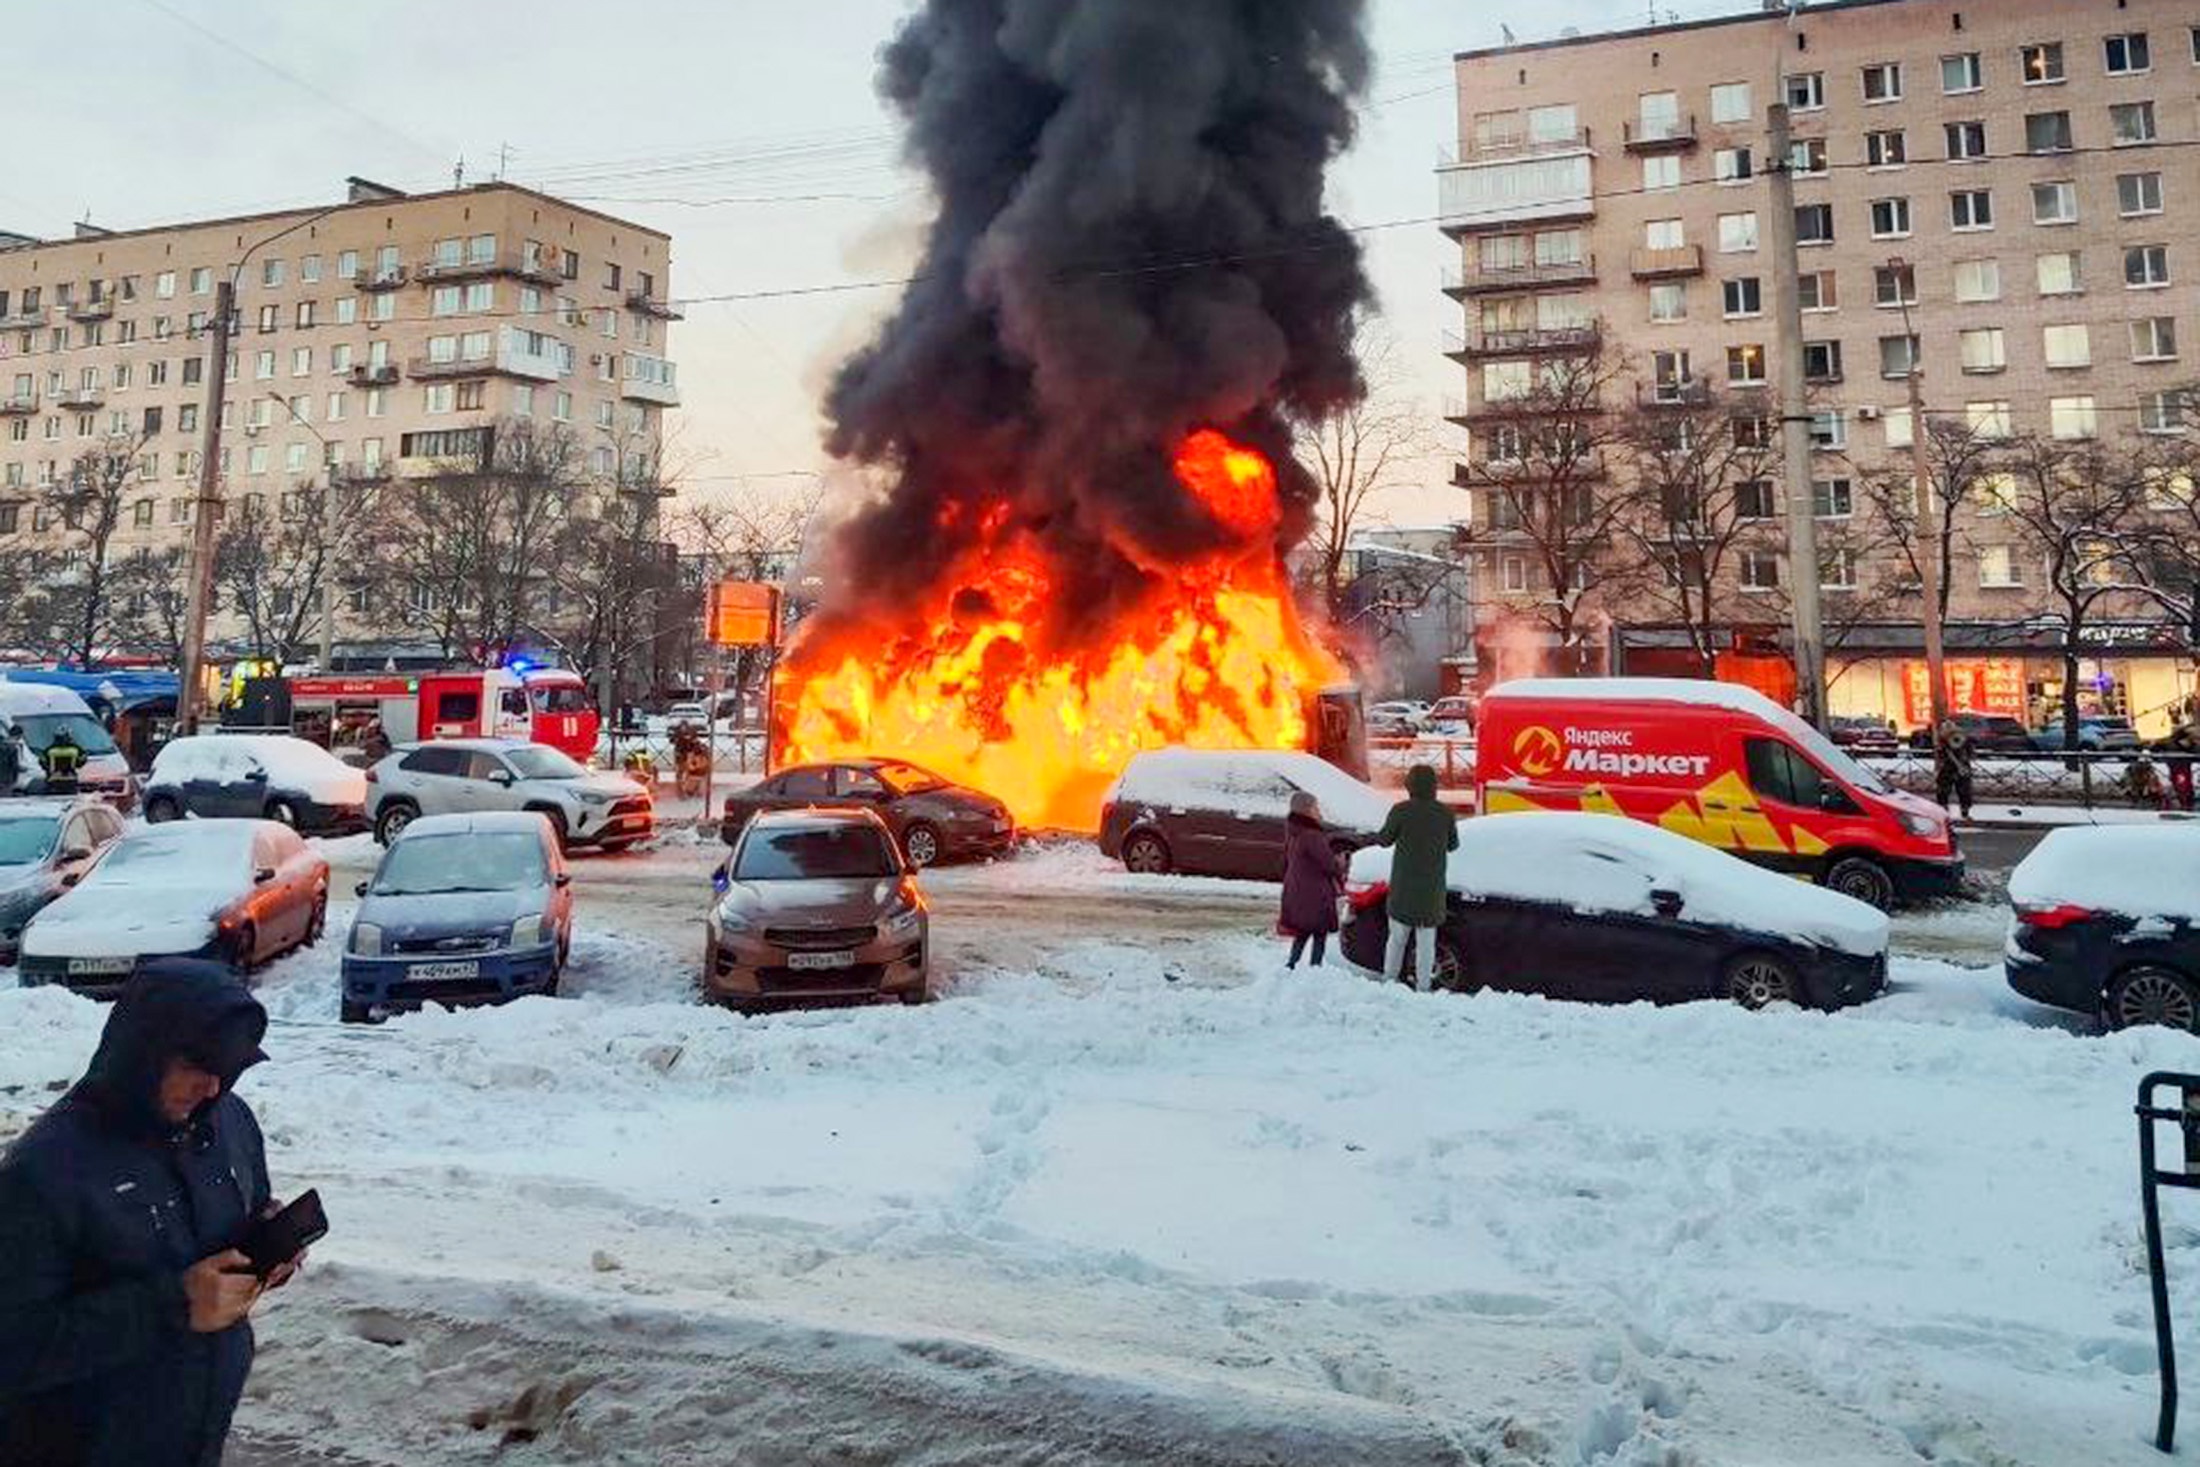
(1928, 518)
(200, 591)
(1802, 509)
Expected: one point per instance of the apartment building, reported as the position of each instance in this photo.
(383, 337)
(2021, 177)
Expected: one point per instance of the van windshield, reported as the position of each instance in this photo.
(1830, 756)
(90, 734)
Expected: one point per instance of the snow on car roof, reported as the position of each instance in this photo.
(1610, 864)
(288, 762)
(199, 845)
(20, 698)
(482, 822)
(2138, 870)
(1698, 691)
(1185, 776)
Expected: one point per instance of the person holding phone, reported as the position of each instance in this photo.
(126, 1213)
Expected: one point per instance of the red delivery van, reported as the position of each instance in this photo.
(1722, 764)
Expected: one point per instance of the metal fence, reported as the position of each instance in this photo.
(2130, 779)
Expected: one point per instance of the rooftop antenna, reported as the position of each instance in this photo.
(504, 160)
(1507, 32)
(458, 172)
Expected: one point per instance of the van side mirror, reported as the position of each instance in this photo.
(1835, 801)
(263, 876)
(360, 889)
(562, 880)
(1667, 904)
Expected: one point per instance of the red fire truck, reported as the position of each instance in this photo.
(541, 705)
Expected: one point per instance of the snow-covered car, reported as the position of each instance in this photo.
(2106, 922)
(585, 807)
(1398, 717)
(43, 712)
(1610, 910)
(256, 777)
(817, 906)
(933, 819)
(1221, 812)
(242, 892)
(464, 909)
(46, 846)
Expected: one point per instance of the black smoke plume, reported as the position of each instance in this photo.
(1130, 246)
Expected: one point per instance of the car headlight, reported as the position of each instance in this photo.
(529, 930)
(904, 924)
(592, 797)
(1924, 827)
(366, 940)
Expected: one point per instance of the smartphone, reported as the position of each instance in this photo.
(275, 1241)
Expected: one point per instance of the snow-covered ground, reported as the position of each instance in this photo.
(1132, 1195)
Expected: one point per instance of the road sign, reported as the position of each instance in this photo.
(743, 614)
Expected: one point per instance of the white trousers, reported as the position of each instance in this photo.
(1424, 954)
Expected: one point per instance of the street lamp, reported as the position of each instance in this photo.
(1928, 548)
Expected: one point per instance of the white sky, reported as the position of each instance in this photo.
(759, 114)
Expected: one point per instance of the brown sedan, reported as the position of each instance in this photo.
(818, 906)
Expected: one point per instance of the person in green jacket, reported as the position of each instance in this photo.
(1421, 833)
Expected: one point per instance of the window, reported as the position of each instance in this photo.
(1971, 209)
(1894, 285)
(1814, 224)
(1890, 218)
(1663, 234)
(1900, 426)
(1743, 297)
(202, 280)
(1897, 357)
(1890, 149)
(481, 296)
(1965, 139)
(1755, 499)
(347, 310)
(2072, 417)
(256, 459)
(1991, 421)
(294, 458)
(1982, 349)
(2162, 412)
(2047, 132)
(445, 301)
(301, 361)
(1668, 302)
(2146, 267)
(263, 366)
(2131, 123)
(2154, 339)
(1978, 280)
(1737, 234)
(1808, 158)
(1817, 290)
(471, 396)
(2059, 274)
(1733, 165)
(1961, 73)
(1661, 174)
(2067, 347)
(271, 273)
(2055, 202)
(1997, 568)
(440, 397)
(1515, 571)
(1759, 570)
(1745, 365)
(2128, 54)
(2138, 193)
(1821, 361)
(309, 270)
(1883, 82)
(1731, 102)
(2042, 64)
(1806, 91)
(305, 314)
(1836, 572)
(271, 318)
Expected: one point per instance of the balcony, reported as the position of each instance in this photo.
(1674, 264)
(428, 369)
(19, 405)
(1474, 196)
(1514, 145)
(371, 375)
(650, 379)
(1461, 281)
(1693, 393)
(1586, 466)
(1533, 341)
(379, 280)
(537, 271)
(23, 320)
(1665, 135)
(641, 303)
(532, 356)
(81, 398)
(98, 308)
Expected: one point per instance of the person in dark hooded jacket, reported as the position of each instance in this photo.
(1313, 878)
(1421, 834)
(123, 1300)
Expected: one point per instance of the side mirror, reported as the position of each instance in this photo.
(263, 876)
(502, 777)
(255, 776)
(1667, 904)
(76, 853)
(360, 889)
(1835, 801)
(562, 880)
(71, 878)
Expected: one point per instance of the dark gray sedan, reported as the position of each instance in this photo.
(46, 846)
(931, 819)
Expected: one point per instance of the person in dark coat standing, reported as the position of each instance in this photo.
(1313, 879)
(1421, 834)
(1952, 763)
(123, 1300)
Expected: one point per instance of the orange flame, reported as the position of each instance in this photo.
(1217, 659)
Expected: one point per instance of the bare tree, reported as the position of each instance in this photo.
(1355, 454)
(273, 567)
(2162, 541)
(1957, 457)
(88, 498)
(741, 537)
(149, 590)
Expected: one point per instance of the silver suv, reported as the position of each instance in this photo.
(471, 776)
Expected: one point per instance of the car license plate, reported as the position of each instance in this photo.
(819, 962)
(437, 972)
(95, 966)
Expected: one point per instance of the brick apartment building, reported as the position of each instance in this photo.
(2033, 165)
(377, 339)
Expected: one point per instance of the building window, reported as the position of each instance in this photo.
(471, 396)
(1731, 102)
(1669, 374)
(294, 458)
(1883, 82)
(2042, 64)
(1661, 174)
(1821, 361)
(271, 273)
(1754, 499)
(2067, 347)
(2154, 339)
(2059, 274)
(1978, 280)
(1965, 139)
(301, 361)
(1759, 570)
(1887, 149)
(1737, 234)
(1971, 209)
(1514, 569)
(1818, 291)
(2072, 417)
(1814, 224)
(1897, 357)
(1982, 349)
(256, 459)
(2146, 267)
(1743, 297)
(441, 396)
(2055, 202)
(2138, 194)
(1961, 73)
(1733, 165)
(1806, 91)
(1837, 570)
(2047, 132)
(1990, 421)
(2162, 412)
(1997, 568)
(1894, 285)
(2128, 54)
(1808, 158)
(1890, 218)
(1901, 428)
(2131, 123)
(271, 318)
(1668, 302)
(1663, 234)
(1829, 430)
(1745, 365)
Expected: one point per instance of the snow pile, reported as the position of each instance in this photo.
(2137, 870)
(1254, 781)
(1600, 863)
